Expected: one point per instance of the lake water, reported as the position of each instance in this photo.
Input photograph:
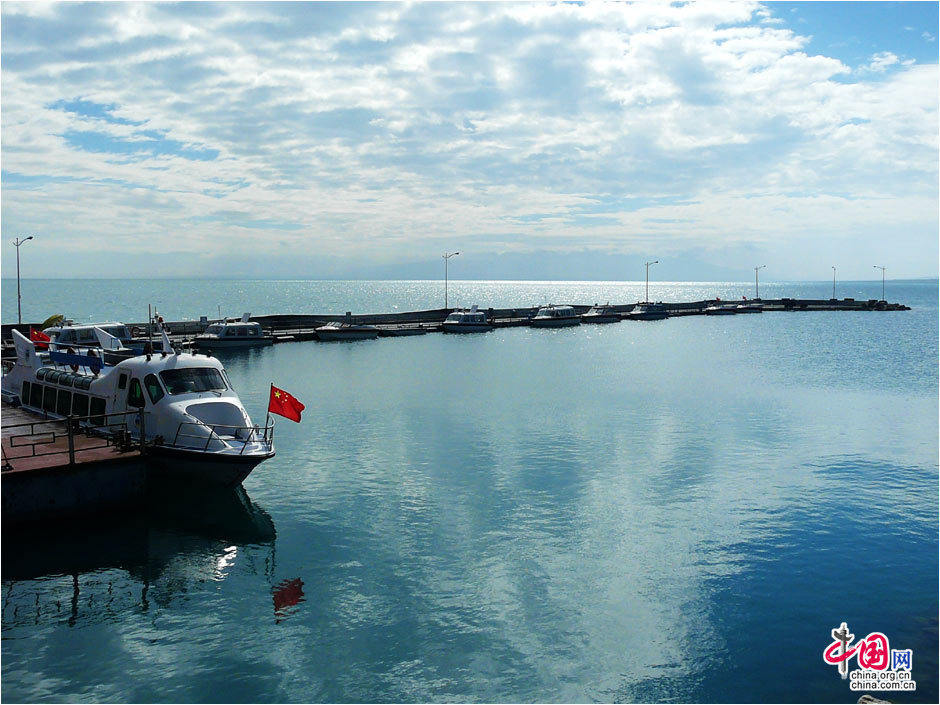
(676, 510)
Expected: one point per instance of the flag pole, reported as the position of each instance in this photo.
(267, 418)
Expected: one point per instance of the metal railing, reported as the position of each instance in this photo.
(101, 427)
(255, 434)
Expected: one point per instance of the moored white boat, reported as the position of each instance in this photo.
(181, 405)
(601, 314)
(555, 317)
(472, 321)
(749, 307)
(233, 334)
(345, 330)
(646, 311)
(717, 309)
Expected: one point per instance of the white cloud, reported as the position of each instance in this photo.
(881, 61)
(370, 131)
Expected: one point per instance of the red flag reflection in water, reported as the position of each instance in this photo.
(287, 593)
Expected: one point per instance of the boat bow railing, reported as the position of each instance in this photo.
(227, 435)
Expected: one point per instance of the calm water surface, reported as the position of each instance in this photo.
(675, 510)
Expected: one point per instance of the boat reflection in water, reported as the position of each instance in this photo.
(89, 571)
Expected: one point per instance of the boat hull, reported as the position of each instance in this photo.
(466, 327)
(224, 344)
(649, 316)
(606, 318)
(720, 312)
(175, 465)
(333, 335)
(555, 322)
(401, 332)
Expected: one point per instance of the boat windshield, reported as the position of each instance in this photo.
(455, 318)
(212, 330)
(194, 379)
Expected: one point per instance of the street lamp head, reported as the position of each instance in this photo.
(29, 238)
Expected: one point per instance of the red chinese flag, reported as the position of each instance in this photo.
(284, 404)
(39, 338)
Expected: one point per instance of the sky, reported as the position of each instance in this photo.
(562, 140)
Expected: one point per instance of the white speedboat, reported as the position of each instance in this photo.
(345, 330)
(555, 317)
(717, 309)
(233, 334)
(601, 314)
(646, 311)
(749, 307)
(472, 321)
(182, 406)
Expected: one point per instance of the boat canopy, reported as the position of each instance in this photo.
(234, 330)
(555, 312)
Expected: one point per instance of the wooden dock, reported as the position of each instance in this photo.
(50, 470)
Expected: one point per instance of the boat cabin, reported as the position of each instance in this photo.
(556, 312)
(234, 330)
(84, 335)
(474, 316)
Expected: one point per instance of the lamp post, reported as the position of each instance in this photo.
(833, 282)
(648, 279)
(17, 243)
(877, 266)
(447, 257)
(756, 282)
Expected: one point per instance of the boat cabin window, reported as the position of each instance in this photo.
(64, 403)
(135, 395)
(66, 379)
(80, 404)
(54, 375)
(86, 336)
(116, 331)
(41, 372)
(122, 381)
(35, 396)
(454, 318)
(65, 336)
(24, 394)
(154, 390)
(48, 398)
(97, 410)
(83, 382)
(212, 330)
(194, 379)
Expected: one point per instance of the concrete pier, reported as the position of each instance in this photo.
(289, 327)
